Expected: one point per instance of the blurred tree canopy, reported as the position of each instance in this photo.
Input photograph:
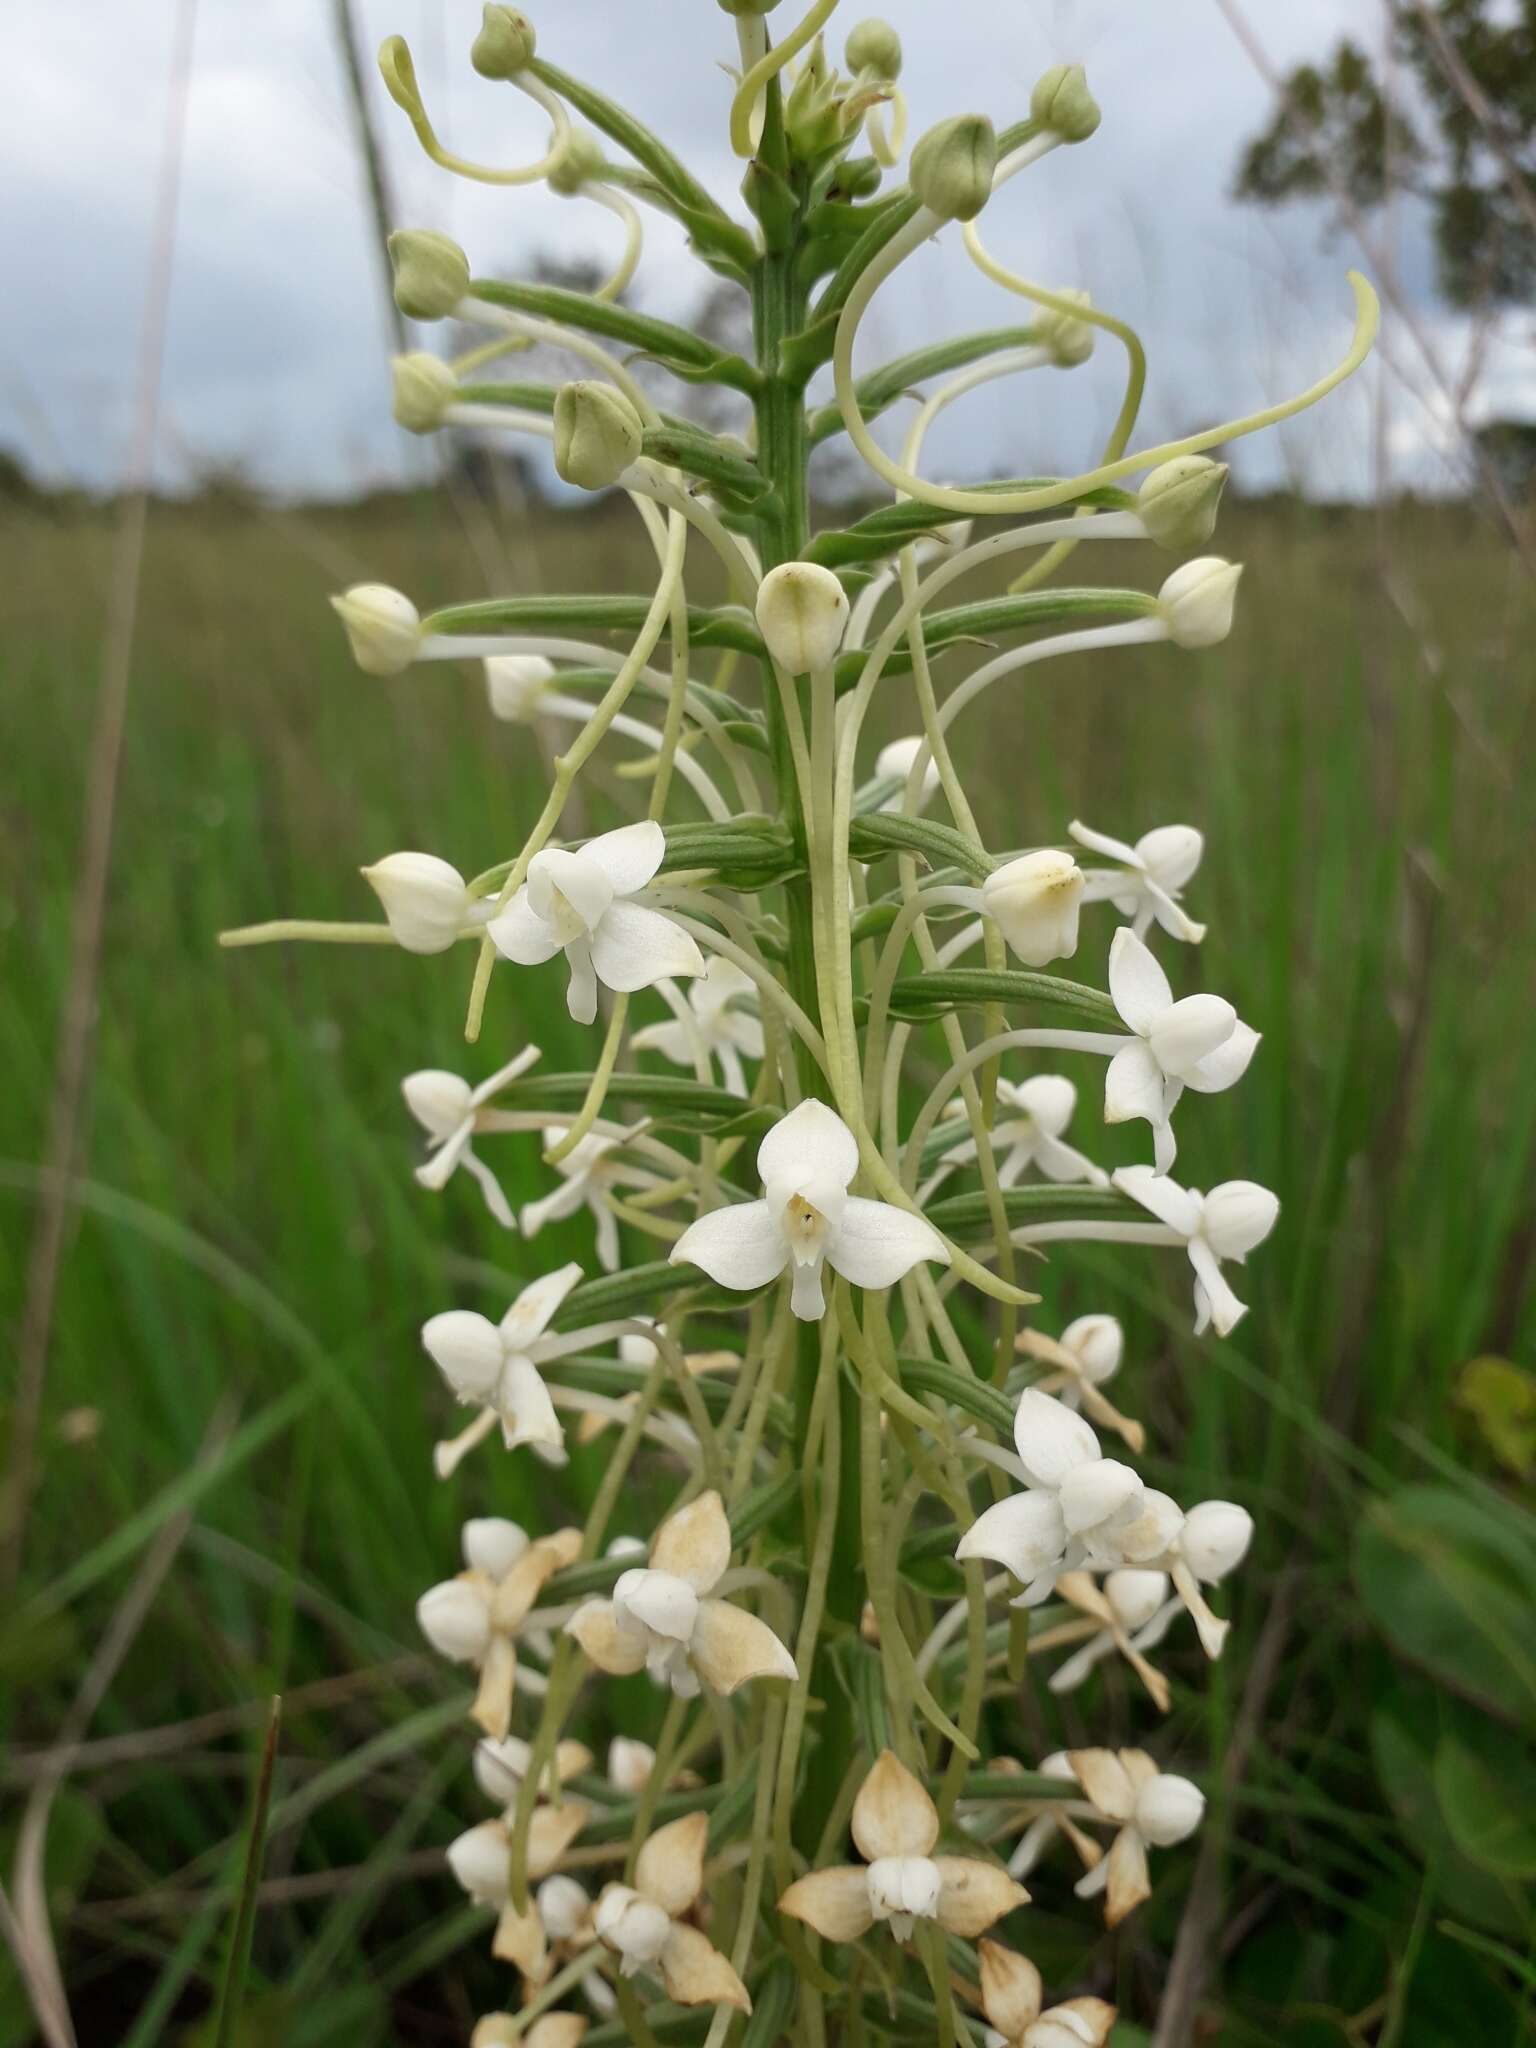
(1458, 127)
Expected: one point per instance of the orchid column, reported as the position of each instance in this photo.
(820, 1096)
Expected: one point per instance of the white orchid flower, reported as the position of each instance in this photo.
(447, 1108)
(1084, 1358)
(588, 1173)
(1077, 1505)
(1130, 1600)
(661, 1617)
(1012, 1996)
(1153, 1809)
(643, 1923)
(1212, 1541)
(1224, 1225)
(1150, 878)
(901, 1881)
(557, 1926)
(477, 1618)
(582, 903)
(894, 762)
(495, 1367)
(713, 1020)
(1033, 1115)
(807, 1220)
(1198, 1042)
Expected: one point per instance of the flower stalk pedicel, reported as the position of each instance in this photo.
(827, 1448)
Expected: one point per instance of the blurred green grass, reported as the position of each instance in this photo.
(252, 1257)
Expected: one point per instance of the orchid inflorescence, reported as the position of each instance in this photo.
(863, 1510)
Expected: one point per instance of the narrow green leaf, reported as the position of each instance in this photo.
(720, 626)
(886, 832)
(239, 1957)
(966, 1215)
(671, 1099)
(652, 337)
(883, 532)
(962, 1390)
(959, 988)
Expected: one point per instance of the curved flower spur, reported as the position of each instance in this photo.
(777, 957)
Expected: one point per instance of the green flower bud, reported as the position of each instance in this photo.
(858, 177)
(802, 612)
(952, 166)
(874, 46)
(1178, 500)
(813, 113)
(749, 6)
(581, 161)
(504, 45)
(597, 434)
(431, 272)
(1069, 341)
(424, 388)
(1198, 601)
(1062, 102)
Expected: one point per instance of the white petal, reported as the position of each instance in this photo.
(563, 886)
(695, 1543)
(527, 1413)
(1188, 1030)
(581, 991)
(466, 1349)
(1064, 1163)
(811, 1143)
(740, 1247)
(1169, 1809)
(1172, 917)
(1050, 1099)
(1215, 1303)
(493, 1545)
(630, 856)
(671, 1039)
(834, 1902)
(1215, 1539)
(439, 1101)
(1133, 1085)
(552, 1208)
(634, 948)
(518, 934)
(1105, 1780)
(730, 1646)
(1024, 1532)
(1170, 854)
(1227, 1064)
(491, 1188)
(875, 1243)
(1094, 1494)
(892, 1812)
(529, 1315)
(1168, 1202)
(1137, 984)
(656, 1601)
(974, 1895)
(1100, 842)
(806, 1298)
(1051, 1438)
(1239, 1214)
(455, 1618)
(1098, 1344)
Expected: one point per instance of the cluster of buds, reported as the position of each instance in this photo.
(783, 1378)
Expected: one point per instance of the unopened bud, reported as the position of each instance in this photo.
(1035, 901)
(1096, 1342)
(563, 1907)
(874, 46)
(1178, 500)
(749, 6)
(580, 162)
(630, 1764)
(515, 684)
(597, 434)
(424, 898)
(1198, 601)
(952, 166)
(383, 627)
(431, 272)
(1069, 341)
(814, 113)
(1135, 1596)
(424, 388)
(858, 177)
(504, 46)
(802, 613)
(1062, 102)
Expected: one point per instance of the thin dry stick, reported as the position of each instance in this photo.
(1402, 308)
(67, 1109)
(379, 199)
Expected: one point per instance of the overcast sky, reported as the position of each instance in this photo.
(277, 356)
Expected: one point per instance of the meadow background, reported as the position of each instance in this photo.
(236, 1397)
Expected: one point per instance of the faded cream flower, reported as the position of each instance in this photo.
(661, 1620)
(477, 1617)
(1127, 1602)
(549, 2030)
(1149, 1809)
(1086, 1355)
(1012, 1996)
(895, 1828)
(481, 1860)
(558, 1925)
(644, 1923)
(500, 1768)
